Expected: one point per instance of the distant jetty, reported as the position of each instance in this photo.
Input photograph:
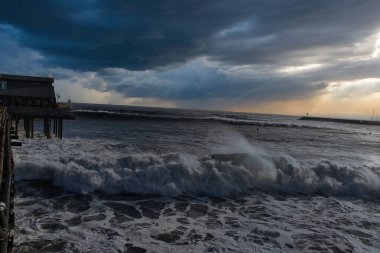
(346, 121)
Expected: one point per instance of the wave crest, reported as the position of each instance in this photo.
(174, 174)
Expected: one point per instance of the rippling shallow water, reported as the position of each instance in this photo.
(158, 180)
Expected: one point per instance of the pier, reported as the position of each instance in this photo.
(7, 187)
(30, 98)
(24, 100)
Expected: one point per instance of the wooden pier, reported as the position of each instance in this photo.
(23, 100)
(7, 187)
(49, 116)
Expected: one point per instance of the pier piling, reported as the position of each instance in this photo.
(60, 128)
(47, 124)
(54, 126)
(27, 127)
(31, 121)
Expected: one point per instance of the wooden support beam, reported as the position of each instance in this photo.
(55, 127)
(5, 195)
(17, 122)
(27, 127)
(60, 128)
(44, 128)
(25, 123)
(48, 128)
(2, 144)
(16, 143)
(32, 128)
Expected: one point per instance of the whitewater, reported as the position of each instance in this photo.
(137, 179)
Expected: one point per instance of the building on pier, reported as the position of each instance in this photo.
(30, 98)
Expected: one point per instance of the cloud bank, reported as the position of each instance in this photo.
(217, 54)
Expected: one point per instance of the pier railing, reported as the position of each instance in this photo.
(7, 184)
(62, 105)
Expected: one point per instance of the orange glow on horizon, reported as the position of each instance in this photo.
(324, 105)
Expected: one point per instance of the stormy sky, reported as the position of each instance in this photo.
(276, 56)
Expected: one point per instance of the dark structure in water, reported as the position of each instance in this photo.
(347, 121)
(28, 99)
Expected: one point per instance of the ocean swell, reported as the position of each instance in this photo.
(174, 174)
(226, 119)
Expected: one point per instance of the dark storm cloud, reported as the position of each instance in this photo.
(118, 40)
(131, 34)
(138, 35)
(223, 88)
(199, 80)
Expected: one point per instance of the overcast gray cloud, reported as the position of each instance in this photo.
(191, 50)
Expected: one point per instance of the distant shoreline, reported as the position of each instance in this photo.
(347, 121)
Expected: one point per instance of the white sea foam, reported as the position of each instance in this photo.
(174, 174)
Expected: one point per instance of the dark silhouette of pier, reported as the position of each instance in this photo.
(7, 184)
(23, 99)
(30, 98)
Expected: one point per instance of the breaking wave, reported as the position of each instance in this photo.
(174, 174)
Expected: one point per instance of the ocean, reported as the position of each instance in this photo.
(138, 179)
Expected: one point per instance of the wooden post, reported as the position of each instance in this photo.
(48, 126)
(27, 127)
(17, 122)
(55, 127)
(25, 124)
(60, 128)
(6, 204)
(45, 126)
(32, 128)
